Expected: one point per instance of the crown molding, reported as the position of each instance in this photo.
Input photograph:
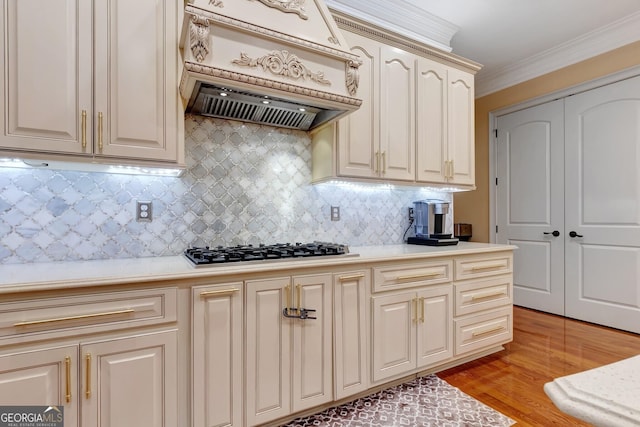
(400, 17)
(599, 41)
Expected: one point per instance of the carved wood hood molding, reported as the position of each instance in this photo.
(286, 49)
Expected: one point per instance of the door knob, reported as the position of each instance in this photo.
(555, 233)
(574, 234)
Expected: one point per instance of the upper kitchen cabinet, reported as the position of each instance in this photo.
(91, 81)
(445, 124)
(369, 148)
(416, 122)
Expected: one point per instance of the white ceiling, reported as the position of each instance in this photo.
(515, 40)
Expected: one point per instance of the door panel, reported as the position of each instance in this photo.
(40, 378)
(112, 399)
(397, 135)
(359, 131)
(603, 205)
(393, 337)
(312, 349)
(530, 202)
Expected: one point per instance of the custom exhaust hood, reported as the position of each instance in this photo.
(282, 63)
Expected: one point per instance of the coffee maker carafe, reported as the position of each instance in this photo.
(430, 223)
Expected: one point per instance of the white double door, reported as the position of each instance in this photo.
(568, 196)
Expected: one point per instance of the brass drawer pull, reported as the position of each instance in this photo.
(351, 277)
(67, 363)
(87, 389)
(485, 296)
(100, 142)
(84, 129)
(421, 309)
(419, 276)
(487, 267)
(218, 292)
(487, 332)
(64, 319)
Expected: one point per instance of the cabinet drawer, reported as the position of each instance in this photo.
(470, 267)
(399, 276)
(483, 330)
(476, 295)
(87, 313)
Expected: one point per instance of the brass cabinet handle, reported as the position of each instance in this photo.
(287, 290)
(377, 162)
(487, 267)
(63, 319)
(418, 276)
(87, 389)
(415, 309)
(487, 332)
(351, 277)
(451, 170)
(299, 294)
(100, 144)
(384, 162)
(422, 309)
(485, 296)
(67, 362)
(84, 129)
(206, 294)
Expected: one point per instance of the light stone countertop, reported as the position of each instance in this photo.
(55, 275)
(604, 396)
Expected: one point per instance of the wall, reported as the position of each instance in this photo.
(473, 207)
(244, 184)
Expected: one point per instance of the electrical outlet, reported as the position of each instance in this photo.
(410, 214)
(335, 213)
(144, 211)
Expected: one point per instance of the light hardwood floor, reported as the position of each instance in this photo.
(544, 347)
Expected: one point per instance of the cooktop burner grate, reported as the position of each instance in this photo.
(221, 254)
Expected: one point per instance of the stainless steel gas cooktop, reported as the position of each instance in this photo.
(221, 254)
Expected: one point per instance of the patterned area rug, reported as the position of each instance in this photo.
(427, 402)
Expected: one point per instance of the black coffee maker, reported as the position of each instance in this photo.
(430, 221)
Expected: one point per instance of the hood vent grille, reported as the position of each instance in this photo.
(213, 101)
(249, 112)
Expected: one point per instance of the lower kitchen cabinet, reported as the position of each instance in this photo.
(45, 376)
(288, 359)
(217, 356)
(109, 359)
(350, 332)
(121, 382)
(411, 330)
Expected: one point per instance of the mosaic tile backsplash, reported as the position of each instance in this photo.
(244, 184)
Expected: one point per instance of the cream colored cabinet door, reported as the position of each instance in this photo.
(435, 325)
(393, 335)
(461, 131)
(312, 367)
(217, 355)
(350, 333)
(45, 63)
(445, 124)
(396, 157)
(267, 350)
(431, 121)
(130, 382)
(359, 132)
(47, 377)
(136, 107)
(288, 360)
